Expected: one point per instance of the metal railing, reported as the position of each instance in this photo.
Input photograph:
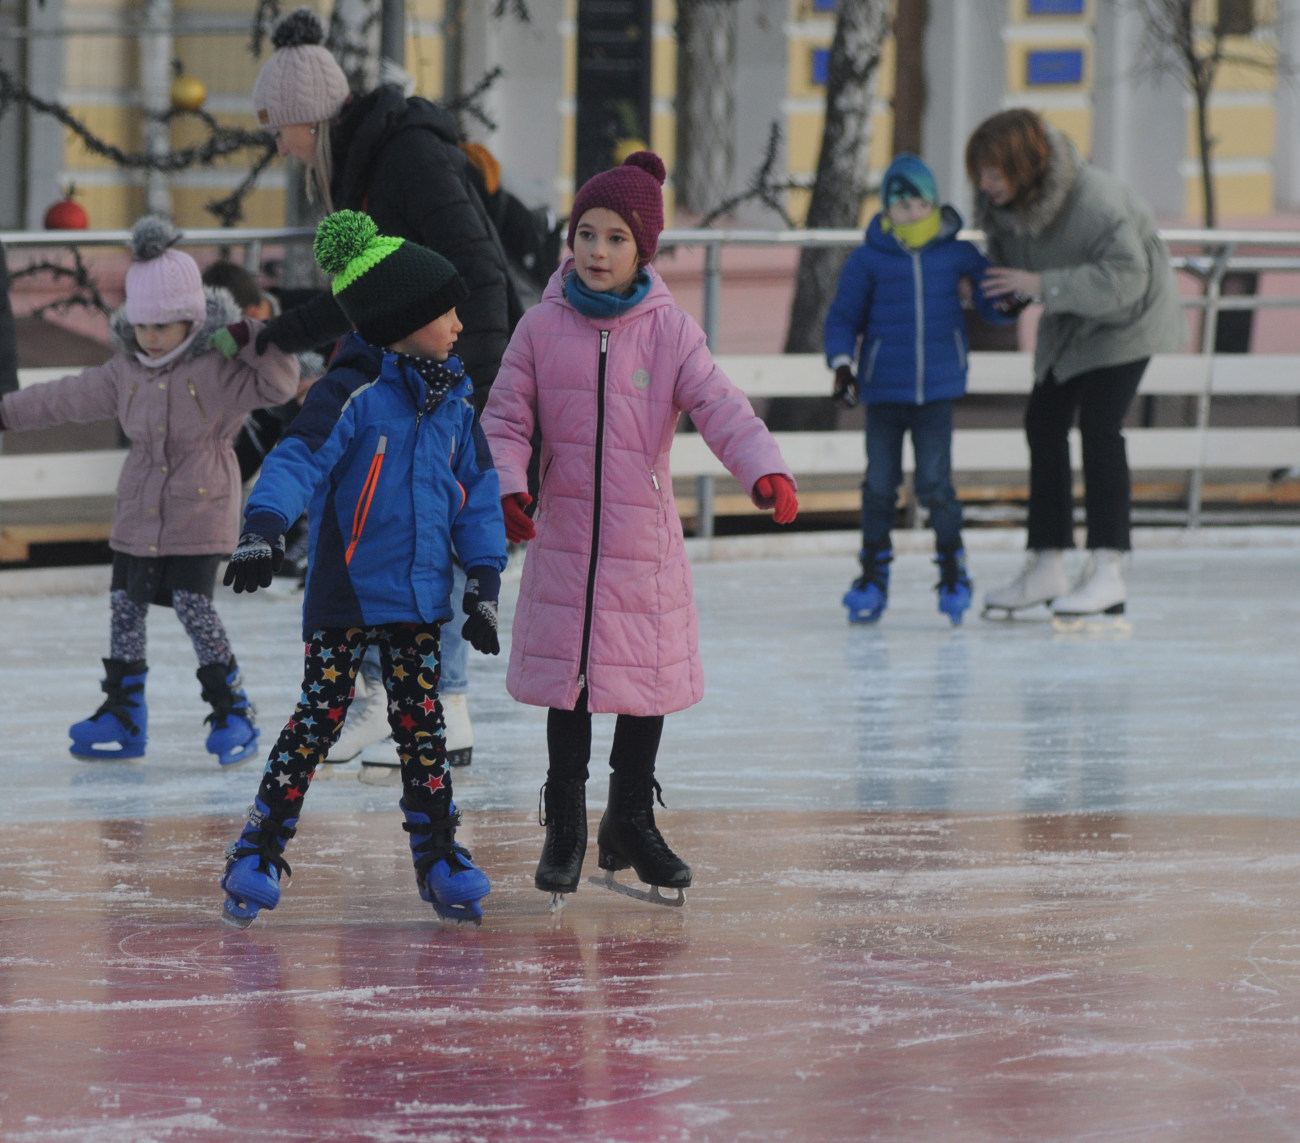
(1207, 255)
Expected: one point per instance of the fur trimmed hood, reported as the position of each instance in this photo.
(1032, 219)
(221, 310)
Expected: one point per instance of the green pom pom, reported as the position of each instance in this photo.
(342, 237)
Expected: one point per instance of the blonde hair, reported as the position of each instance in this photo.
(320, 172)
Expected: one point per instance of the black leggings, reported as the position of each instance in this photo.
(568, 742)
(412, 667)
(1101, 398)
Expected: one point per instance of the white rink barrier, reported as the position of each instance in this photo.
(1196, 451)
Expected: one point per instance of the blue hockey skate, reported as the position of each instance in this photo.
(119, 728)
(954, 586)
(234, 734)
(868, 596)
(444, 871)
(254, 863)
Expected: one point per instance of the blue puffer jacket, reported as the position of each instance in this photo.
(898, 314)
(393, 491)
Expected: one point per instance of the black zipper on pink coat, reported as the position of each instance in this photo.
(595, 508)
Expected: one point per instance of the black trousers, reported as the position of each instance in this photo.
(568, 742)
(1100, 398)
(412, 667)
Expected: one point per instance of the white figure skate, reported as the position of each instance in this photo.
(366, 721)
(1096, 603)
(1041, 580)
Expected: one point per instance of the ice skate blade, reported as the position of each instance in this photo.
(997, 614)
(242, 754)
(86, 754)
(459, 915)
(557, 903)
(1096, 624)
(373, 774)
(651, 895)
(237, 922)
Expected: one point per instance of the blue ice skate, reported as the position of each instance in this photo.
(234, 734)
(868, 596)
(444, 871)
(254, 863)
(122, 719)
(954, 584)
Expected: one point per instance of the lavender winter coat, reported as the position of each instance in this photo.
(606, 597)
(179, 492)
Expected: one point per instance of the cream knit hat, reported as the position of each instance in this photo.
(301, 82)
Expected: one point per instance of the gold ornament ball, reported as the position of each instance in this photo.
(188, 93)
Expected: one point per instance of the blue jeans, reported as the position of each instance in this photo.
(931, 429)
(455, 651)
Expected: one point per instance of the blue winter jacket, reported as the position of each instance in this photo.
(393, 490)
(897, 312)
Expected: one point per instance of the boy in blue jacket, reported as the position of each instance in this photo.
(898, 311)
(389, 452)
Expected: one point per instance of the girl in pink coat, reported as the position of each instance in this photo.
(603, 367)
(180, 385)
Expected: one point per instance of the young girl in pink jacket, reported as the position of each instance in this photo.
(603, 367)
(180, 385)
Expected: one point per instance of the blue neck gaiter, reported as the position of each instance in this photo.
(591, 304)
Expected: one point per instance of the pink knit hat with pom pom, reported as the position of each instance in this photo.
(633, 192)
(162, 285)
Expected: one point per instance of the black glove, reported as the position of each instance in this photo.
(846, 387)
(254, 562)
(482, 586)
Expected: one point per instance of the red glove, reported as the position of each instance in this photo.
(519, 526)
(777, 489)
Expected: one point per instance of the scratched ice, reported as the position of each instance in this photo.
(1193, 711)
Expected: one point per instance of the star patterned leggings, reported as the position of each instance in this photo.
(410, 657)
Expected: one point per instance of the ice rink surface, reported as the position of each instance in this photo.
(980, 883)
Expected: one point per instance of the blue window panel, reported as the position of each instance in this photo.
(1043, 69)
(821, 65)
(1055, 7)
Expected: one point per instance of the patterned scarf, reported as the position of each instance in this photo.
(439, 376)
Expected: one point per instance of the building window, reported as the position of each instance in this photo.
(821, 66)
(1055, 7)
(1054, 68)
(1236, 17)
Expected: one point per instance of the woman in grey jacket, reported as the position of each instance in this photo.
(1074, 238)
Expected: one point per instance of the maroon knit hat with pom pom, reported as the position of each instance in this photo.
(631, 191)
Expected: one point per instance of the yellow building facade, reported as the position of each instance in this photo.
(1078, 61)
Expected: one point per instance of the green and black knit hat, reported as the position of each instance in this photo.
(387, 287)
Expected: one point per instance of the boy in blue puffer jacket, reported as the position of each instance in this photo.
(898, 311)
(389, 451)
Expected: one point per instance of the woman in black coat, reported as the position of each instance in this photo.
(399, 161)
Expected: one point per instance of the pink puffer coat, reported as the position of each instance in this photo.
(179, 492)
(606, 598)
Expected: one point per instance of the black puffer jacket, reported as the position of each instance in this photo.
(398, 160)
(8, 335)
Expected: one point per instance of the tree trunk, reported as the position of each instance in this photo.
(706, 102)
(838, 191)
(910, 92)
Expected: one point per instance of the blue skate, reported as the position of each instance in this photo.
(868, 596)
(234, 733)
(954, 584)
(254, 863)
(122, 719)
(444, 871)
